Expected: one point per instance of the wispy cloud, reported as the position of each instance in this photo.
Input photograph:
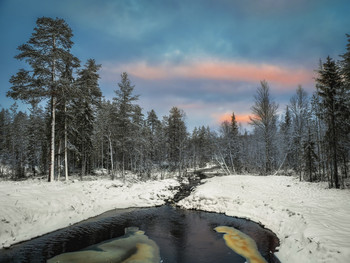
(214, 70)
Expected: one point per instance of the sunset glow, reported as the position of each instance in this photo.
(241, 118)
(205, 57)
(217, 70)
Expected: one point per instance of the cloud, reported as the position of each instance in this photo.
(241, 118)
(214, 70)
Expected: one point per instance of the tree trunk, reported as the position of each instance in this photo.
(83, 165)
(59, 160)
(123, 169)
(111, 154)
(65, 144)
(53, 116)
(52, 145)
(335, 157)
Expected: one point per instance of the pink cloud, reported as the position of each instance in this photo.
(221, 117)
(239, 117)
(219, 70)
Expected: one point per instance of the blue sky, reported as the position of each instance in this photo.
(206, 57)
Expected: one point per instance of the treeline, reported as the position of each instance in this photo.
(79, 131)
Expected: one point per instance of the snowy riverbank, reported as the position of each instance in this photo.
(312, 222)
(32, 208)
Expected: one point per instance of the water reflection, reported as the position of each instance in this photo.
(241, 244)
(182, 236)
(134, 247)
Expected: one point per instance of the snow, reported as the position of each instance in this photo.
(311, 221)
(32, 208)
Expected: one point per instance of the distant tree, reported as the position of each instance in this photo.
(154, 125)
(35, 136)
(47, 52)
(299, 105)
(125, 109)
(330, 87)
(285, 136)
(85, 107)
(5, 139)
(345, 63)
(230, 144)
(264, 121)
(138, 147)
(106, 125)
(309, 156)
(19, 143)
(177, 136)
(345, 108)
(201, 147)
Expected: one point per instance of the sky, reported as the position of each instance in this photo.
(206, 57)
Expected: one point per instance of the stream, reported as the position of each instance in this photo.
(183, 236)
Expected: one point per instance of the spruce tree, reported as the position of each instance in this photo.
(329, 89)
(125, 109)
(154, 126)
(309, 156)
(176, 135)
(85, 106)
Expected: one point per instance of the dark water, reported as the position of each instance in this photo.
(182, 236)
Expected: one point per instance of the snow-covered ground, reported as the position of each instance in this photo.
(311, 221)
(33, 207)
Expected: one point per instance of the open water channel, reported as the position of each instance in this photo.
(181, 235)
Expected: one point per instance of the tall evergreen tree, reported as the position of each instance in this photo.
(330, 85)
(154, 126)
(47, 52)
(85, 108)
(345, 110)
(125, 109)
(177, 135)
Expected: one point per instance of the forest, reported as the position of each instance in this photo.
(70, 128)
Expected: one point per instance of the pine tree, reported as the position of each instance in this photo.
(309, 156)
(138, 149)
(345, 63)
(154, 126)
(176, 135)
(345, 108)
(85, 107)
(47, 52)
(67, 93)
(330, 86)
(125, 109)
